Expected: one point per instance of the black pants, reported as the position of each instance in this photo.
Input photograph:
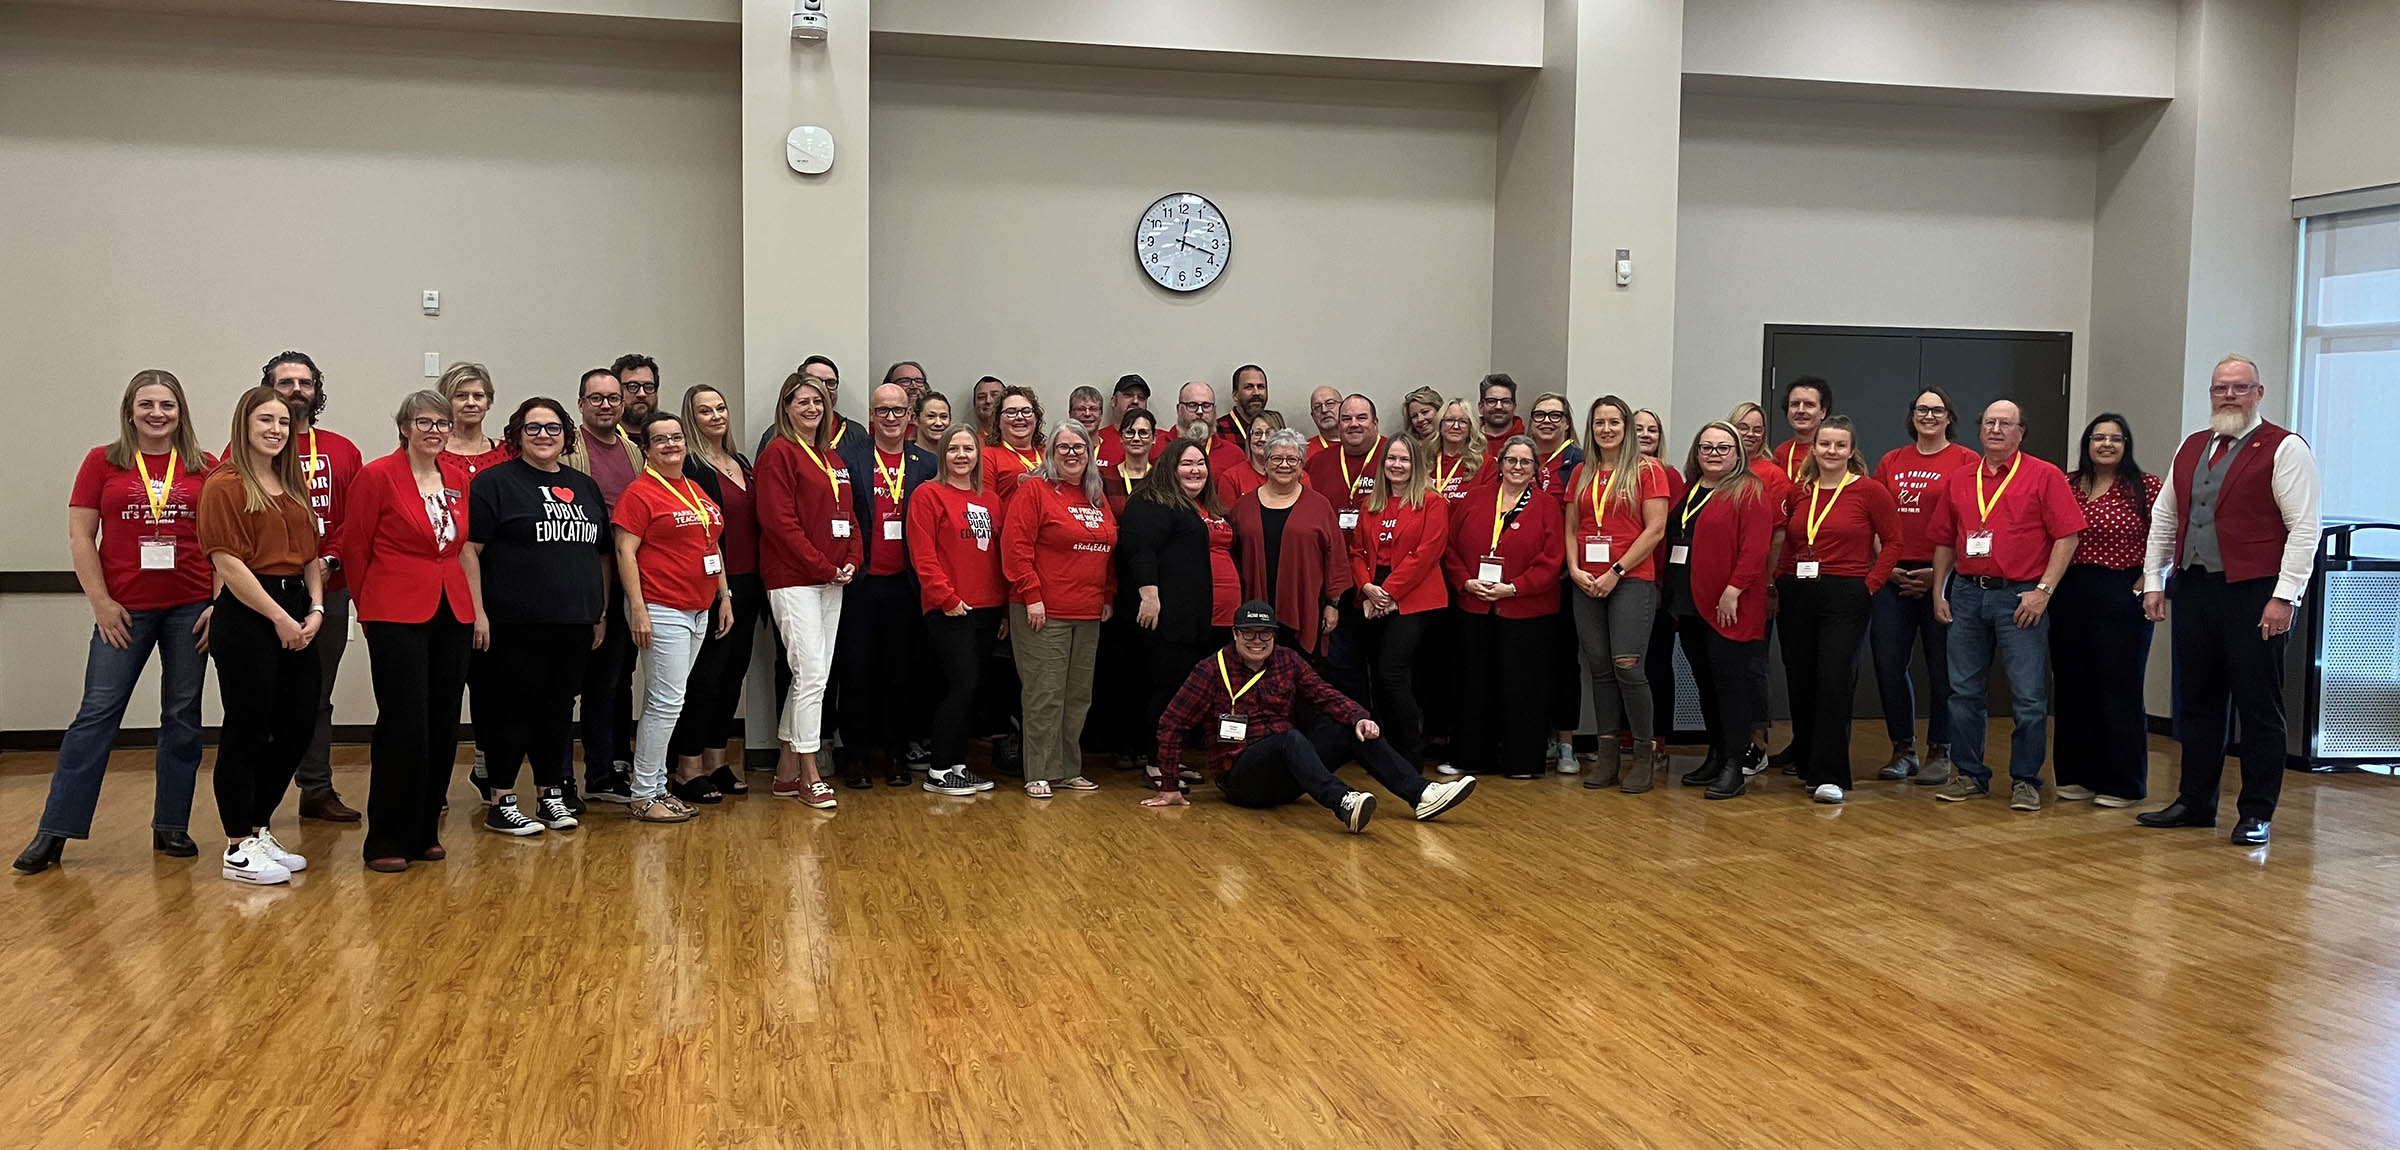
(2099, 654)
(2227, 671)
(1166, 663)
(1565, 681)
(962, 645)
(270, 698)
(420, 672)
(1280, 768)
(1824, 630)
(874, 658)
(1345, 665)
(714, 691)
(607, 692)
(1120, 690)
(1726, 672)
(1503, 681)
(526, 703)
(1392, 644)
(1437, 690)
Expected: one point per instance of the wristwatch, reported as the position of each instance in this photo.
(1619, 568)
(2044, 588)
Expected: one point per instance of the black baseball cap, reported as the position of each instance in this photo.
(1126, 383)
(1255, 613)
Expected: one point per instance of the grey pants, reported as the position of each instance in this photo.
(315, 776)
(1615, 628)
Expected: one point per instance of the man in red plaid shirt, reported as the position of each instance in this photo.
(1242, 699)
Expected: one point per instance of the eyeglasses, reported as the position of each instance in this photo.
(1138, 432)
(544, 429)
(603, 399)
(1549, 417)
(1254, 634)
(2232, 388)
(890, 411)
(428, 424)
(1515, 461)
(1498, 401)
(1999, 423)
(1283, 461)
(905, 380)
(1714, 449)
(1198, 405)
(2104, 437)
(1017, 413)
(1068, 449)
(1921, 409)
(665, 439)
(638, 387)
(1458, 421)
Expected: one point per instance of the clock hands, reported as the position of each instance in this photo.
(1212, 256)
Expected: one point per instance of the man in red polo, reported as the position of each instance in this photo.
(2236, 523)
(2003, 532)
(1807, 400)
(1346, 477)
(1324, 414)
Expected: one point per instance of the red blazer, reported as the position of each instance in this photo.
(1533, 552)
(1729, 549)
(1417, 538)
(398, 573)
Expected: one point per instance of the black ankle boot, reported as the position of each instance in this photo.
(174, 844)
(1706, 772)
(1729, 781)
(41, 853)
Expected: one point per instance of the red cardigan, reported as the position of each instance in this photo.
(398, 574)
(797, 507)
(1058, 550)
(1533, 552)
(1411, 541)
(1313, 566)
(1729, 548)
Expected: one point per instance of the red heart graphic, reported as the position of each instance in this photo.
(565, 494)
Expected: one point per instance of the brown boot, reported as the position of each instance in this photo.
(1644, 772)
(1605, 763)
(326, 807)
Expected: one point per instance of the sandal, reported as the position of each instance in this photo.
(1037, 789)
(1079, 783)
(662, 809)
(729, 781)
(698, 789)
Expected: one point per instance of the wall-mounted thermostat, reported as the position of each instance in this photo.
(809, 149)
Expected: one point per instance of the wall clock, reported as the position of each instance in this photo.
(1183, 242)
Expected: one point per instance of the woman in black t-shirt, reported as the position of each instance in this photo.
(541, 531)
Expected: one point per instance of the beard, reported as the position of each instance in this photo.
(1198, 430)
(2228, 421)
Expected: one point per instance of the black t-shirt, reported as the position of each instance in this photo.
(545, 535)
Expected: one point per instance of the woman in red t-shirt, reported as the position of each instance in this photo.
(954, 545)
(1240, 479)
(672, 565)
(1841, 534)
(1014, 447)
(133, 525)
(1616, 515)
(1658, 660)
(1915, 473)
(1396, 563)
(1057, 546)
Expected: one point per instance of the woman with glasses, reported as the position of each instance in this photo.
(932, 420)
(1176, 591)
(1459, 449)
(538, 532)
(1238, 481)
(1616, 516)
(707, 727)
(1506, 548)
(1287, 543)
(1842, 535)
(954, 544)
(1915, 473)
(418, 595)
(1057, 544)
(808, 552)
(1716, 584)
(1396, 563)
(1553, 442)
(2099, 637)
(1015, 446)
(1137, 429)
(671, 563)
(133, 526)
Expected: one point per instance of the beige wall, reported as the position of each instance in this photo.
(1861, 214)
(1497, 32)
(2346, 135)
(1005, 198)
(2063, 47)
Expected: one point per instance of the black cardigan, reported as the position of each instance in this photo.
(1166, 546)
(713, 482)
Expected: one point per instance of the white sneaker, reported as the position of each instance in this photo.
(1827, 793)
(247, 861)
(1568, 764)
(1445, 769)
(283, 858)
(2113, 802)
(1357, 807)
(2075, 794)
(1439, 797)
(553, 812)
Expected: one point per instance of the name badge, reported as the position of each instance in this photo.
(1595, 553)
(1679, 554)
(320, 526)
(841, 529)
(158, 554)
(1489, 570)
(1232, 729)
(1806, 569)
(1979, 544)
(891, 529)
(712, 563)
(1349, 520)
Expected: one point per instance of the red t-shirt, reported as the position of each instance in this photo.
(1002, 465)
(1225, 580)
(677, 540)
(1452, 477)
(1057, 550)
(1618, 522)
(1789, 455)
(1913, 477)
(1237, 481)
(954, 542)
(2031, 509)
(1343, 480)
(1318, 444)
(888, 560)
(127, 517)
(1848, 526)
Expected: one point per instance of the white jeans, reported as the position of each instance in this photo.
(675, 638)
(807, 618)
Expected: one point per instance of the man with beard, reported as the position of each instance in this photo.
(1249, 398)
(329, 460)
(638, 374)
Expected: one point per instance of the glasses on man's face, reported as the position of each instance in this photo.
(907, 380)
(429, 424)
(2230, 388)
(1998, 424)
(665, 439)
(1499, 401)
(545, 430)
(638, 387)
(1923, 410)
(604, 399)
(1715, 449)
(1198, 405)
(889, 412)
(1255, 635)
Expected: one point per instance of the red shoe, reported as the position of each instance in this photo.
(433, 853)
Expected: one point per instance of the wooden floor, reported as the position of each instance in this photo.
(1545, 967)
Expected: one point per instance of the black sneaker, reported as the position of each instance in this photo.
(553, 812)
(920, 755)
(504, 817)
(950, 782)
(1754, 760)
(572, 798)
(1357, 807)
(481, 775)
(609, 788)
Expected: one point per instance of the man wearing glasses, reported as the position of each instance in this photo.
(329, 460)
(1132, 391)
(638, 375)
(1499, 408)
(2236, 524)
(604, 452)
(881, 626)
(1325, 412)
(1196, 418)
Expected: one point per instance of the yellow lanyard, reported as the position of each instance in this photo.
(839, 430)
(1323, 443)
(1816, 518)
(316, 462)
(1230, 694)
(699, 508)
(1599, 485)
(1692, 507)
(1445, 479)
(1552, 462)
(830, 477)
(1348, 484)
(1127, 479)
(1985, 505)
(893, 479)
(1030, 464)
(1788, 467)
(157, 494)
(1500, 514)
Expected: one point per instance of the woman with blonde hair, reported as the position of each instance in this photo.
(808, 551)
(1616, 515)
(1419, 409)
(1396, 563)
(468, 388)
(1057, 544)
(1843, 538)
(1459, 450)
(707, 725)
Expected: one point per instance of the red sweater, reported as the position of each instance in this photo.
(1533, 551)
(1853, 522)
(1729, 548)
(954, 540)
(1409, 540)
(1057, 550)
(797, 508)
(1002, 465)
(1915, 479)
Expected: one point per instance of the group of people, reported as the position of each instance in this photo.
(1121, 583)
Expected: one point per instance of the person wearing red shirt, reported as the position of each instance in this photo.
(1807, 400)
(1240, 479)
(2100, 641)
(133, 524)
(416, 585)
(1137, 432)
(1014, 446)
(671, 563)
(808, 551)
(468, 387)
(1057, 543)
(1132, 392)
(1554, 445)
(1497, 402)
(880, 636)
(1903, 610)
(954, 544)
(1842, 533)
(1175, 596)
(2006, 528)
(1507, 546)
(603, 451)
(1347, 477)
(714, 691)
(1325, 415)
(1751, 421)
(1715, 580)
(1396, 563)
(329, 461)
(1616, 509)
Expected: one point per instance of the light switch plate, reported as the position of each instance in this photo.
(433, 302)
(433, 365)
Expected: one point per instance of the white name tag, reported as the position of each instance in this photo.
(1806, 569)
(891, 529)
(1231, 729)
(1488, 571)
(1595, 553)
(158, 555)
(1979, 544)
(841, 529)
(1679, 554)
(711, 563)
(1349, 520)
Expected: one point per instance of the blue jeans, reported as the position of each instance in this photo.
(1981, 621)
(1896, 625)
(108, 678)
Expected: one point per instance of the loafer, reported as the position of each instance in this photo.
(2177, 814)
(2251, 832)
(327, 807)
(392, 865)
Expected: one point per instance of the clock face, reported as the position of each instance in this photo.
(1183, 242)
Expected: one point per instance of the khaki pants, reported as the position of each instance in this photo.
(1055, 665)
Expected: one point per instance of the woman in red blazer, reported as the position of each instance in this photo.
(1396, 561)
(1507, 547)
(1716, 583)
(417, 590)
